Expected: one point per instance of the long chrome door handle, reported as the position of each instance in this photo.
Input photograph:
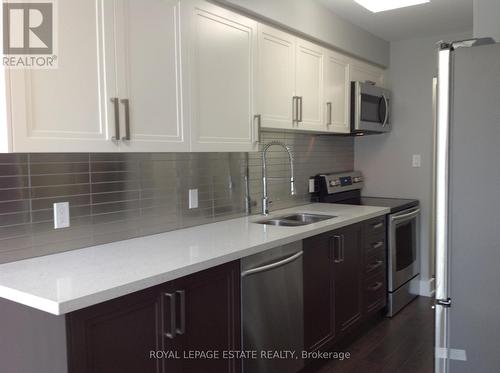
(257, 139)
(116, 106)
(272, 265)
(329, 113)
(126, 103)
(171, 333)
(182, 295)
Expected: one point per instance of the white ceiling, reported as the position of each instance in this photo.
(435, 18)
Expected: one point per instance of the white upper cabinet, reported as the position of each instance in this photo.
(68, 109)
(276, 78)
(360, 71)
(149, 76)
(221, 67)
(309, 86)
(337, 93)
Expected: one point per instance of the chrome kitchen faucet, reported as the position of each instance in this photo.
(265, 200)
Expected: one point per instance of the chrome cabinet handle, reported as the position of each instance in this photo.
(126, 103)
(182, 295)
(272, 265)
(377, 225)
(299, 99)
(329, 113)
(374, 266)
(257, 138)
(377, 245)
(343, 247)
(336, 247)
(375, 287)
(171, 333)
(295, 109)
(115, 102)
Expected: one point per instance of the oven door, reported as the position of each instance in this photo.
(404, 262)
(372, 113)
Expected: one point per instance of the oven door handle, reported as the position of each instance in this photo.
(410, 215)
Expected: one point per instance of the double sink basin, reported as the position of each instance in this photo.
(296, 220)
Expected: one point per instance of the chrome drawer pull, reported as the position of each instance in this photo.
(374, 266)
(377, 225)
(376, 286)
(377, 245)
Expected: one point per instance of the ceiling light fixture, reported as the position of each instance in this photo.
(376, 6)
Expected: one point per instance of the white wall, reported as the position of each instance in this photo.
(487, 19)
(385, 160)
(317, 21)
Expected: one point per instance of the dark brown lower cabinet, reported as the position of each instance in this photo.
(342, 285)
(200, 312)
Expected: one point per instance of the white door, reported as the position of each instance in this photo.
(276, 78)
(67, 109)
(149, 76)
(360, 71)
(337, 90)
(309, 86)
(222, 48)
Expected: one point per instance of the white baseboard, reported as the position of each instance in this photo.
(428, 287)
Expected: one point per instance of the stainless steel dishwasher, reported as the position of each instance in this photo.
(272, 309)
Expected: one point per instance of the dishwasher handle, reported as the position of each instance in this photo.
(270, 266)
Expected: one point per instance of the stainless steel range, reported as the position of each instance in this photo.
(403, 227)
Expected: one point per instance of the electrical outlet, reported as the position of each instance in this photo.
(416, 160)
(193, 198)
(312, 187)
(61, 215)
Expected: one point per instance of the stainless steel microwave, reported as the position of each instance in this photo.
(370, 108)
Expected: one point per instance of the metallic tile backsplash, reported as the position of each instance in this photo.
(118, 196)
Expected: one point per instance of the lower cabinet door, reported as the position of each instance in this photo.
(208, 320)
(319, 313)
(118, 335)
(348, 277)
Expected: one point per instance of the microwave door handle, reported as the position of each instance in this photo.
(386, 103)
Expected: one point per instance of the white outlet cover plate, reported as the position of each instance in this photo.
(416, 160)
(61, 215)
(193, 198)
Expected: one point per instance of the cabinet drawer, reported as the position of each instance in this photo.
(375, 292)
(374, 226)
(374, 262)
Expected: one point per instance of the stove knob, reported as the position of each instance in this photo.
(357, 179)
(334, 183)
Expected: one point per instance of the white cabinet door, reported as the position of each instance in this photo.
(67, 109)
(360, 71)
(309, 86)
(276, 78)
(149, 76)
(221, 57)
(337, 88)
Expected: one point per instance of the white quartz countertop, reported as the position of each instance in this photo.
(68, 281)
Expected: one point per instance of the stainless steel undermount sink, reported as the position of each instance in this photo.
(296, 220)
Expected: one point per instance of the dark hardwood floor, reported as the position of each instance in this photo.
(403, 344)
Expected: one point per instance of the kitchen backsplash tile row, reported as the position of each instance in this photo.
(118, 196)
